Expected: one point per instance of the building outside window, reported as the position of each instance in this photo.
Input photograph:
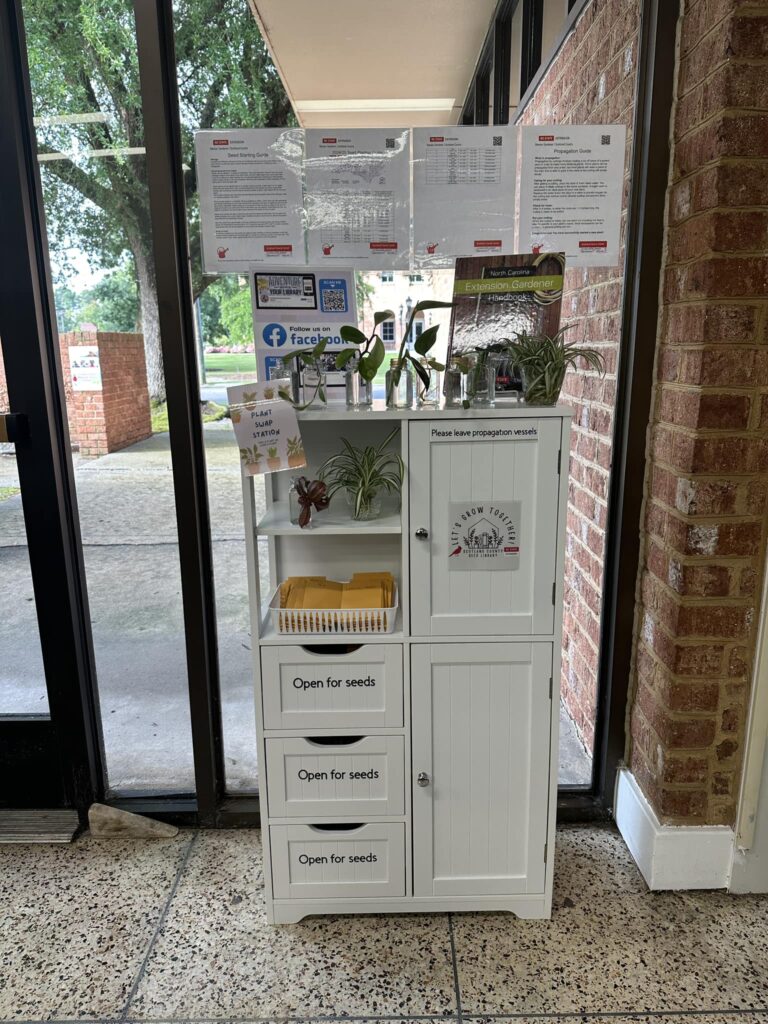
(388, 331)
(387, 277)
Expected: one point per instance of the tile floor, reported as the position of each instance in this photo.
(175, 931)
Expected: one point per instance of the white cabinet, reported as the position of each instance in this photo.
(484, 518)
(417, 770)
(481, 717)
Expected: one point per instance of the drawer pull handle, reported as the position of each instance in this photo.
(422, 779)
(334, 741)
(421, 533)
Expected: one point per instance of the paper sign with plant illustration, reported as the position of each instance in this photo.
(266, 429)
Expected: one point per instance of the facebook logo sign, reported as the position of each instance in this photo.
(274, 335)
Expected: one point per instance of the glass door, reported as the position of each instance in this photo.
(47, 755)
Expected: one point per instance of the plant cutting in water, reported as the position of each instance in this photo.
(371, 352)
(544, 362)
(364, 473)
(422, 346)
(310, 360)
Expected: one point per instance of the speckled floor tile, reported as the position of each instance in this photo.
(217, 956)
(658, 954)
(225, 861)
(593, 864)
(636, 1018)
(76, 921)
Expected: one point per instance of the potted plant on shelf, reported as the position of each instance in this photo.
(364, 474)
(362, 364)
(405, 358)
(544, 360)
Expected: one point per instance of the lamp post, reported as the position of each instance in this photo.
(401, 319)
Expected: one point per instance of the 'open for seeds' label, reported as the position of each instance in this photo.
(485, 535)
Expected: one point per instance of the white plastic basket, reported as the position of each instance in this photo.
(328, 621)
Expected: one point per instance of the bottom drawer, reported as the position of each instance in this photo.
(312, 862)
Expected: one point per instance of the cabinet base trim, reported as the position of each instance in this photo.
(525, 907)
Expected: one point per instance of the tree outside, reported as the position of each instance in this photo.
(85, 85)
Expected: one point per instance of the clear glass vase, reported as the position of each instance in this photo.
(399, 386)
(359, 391)
(482, 381)
(430, 396)
(370, 506)
(315, 390)
(455, 386)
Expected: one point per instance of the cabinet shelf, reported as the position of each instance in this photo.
(276, 523)
(269, 635)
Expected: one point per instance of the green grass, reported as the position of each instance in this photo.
(212, 412)
(8, 492)
(230, 362)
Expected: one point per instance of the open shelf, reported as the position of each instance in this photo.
(334, 520)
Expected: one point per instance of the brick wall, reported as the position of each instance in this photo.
(115, 417)
(707, 472)
(119, 415)
(592, 81)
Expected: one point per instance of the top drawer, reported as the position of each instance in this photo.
(306, 688)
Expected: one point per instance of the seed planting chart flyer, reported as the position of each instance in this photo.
(358, 197)
(571, 186)
(463, 193)
(251, 208)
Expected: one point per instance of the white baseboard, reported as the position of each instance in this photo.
(671, 856)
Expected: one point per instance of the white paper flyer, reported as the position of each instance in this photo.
(251, 206)
(571, 185)
(358, 197)
(463, 192)
(266, 428)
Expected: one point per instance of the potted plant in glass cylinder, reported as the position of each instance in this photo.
(400, 367)
(365, 475)
(543, 362)
(361, 365)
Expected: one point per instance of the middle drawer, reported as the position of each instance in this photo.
(360, 776)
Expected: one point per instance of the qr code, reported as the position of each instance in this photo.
(497, 140)
(334, 300)
(389, 144)
(605, 140)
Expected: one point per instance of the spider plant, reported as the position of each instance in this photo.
(544, 361)
(363, 473)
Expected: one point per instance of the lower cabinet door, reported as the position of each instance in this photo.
(316, 862)
(481, 763)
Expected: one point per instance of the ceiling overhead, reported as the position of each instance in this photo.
(359, 63)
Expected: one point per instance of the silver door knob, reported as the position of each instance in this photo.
(422, 534)
(422, 779)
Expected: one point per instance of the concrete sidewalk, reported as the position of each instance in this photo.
(128, 524)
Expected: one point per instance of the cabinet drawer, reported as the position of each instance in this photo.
(363, 778)
(306, 688)
(311, 863)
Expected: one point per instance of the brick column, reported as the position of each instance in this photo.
(707, 474)
(119, 414)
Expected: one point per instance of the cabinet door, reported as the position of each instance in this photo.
(481, 738)
(483, 522)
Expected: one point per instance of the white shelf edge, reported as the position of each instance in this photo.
(275, 523)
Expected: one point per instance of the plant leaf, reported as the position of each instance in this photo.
(431, 304)
(426, 339)
(352, 335)
(382, 315)
(422, 371)
(344, 357)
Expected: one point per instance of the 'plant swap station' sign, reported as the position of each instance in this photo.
(266, 428)
(485, 535)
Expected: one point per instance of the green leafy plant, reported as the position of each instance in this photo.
(363, 473)
(311, 359)
(371, 352)
(422, 346)
(250, 456)
(544, 361)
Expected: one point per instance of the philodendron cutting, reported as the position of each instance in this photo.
(422, 345)
(543, 362)
(364, 473)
